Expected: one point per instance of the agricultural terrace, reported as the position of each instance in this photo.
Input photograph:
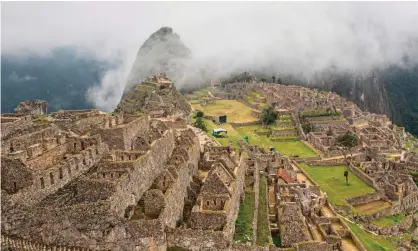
(244, 222)
(388, 221)
(197, 95)
(332, 181)
(263, 231)
(290, 148)
(370, 241)
(235, 111)
(231, 135)
(251, 99)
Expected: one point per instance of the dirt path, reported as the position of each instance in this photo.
(349, 245)
(328, 212)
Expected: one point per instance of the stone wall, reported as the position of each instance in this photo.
(256, 187)
(285, 132)
(14, 128)
(364, 199)
(24, 245)
(175, 195)
(364, 177)
(123, 136)
(48, 181)
(132, 186)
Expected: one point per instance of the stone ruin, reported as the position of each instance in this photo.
(33, 107)
(87, 178)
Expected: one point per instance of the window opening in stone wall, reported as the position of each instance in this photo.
(14, 187)
(83, 145)
(42, 182)
(51, 175)
(104, 175)
(60, 172)
(75, 145)
(111, 175)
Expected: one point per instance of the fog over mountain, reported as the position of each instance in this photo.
(303, 39)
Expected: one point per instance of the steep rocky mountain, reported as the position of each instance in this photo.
(164, 52)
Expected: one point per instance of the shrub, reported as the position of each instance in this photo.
(269, 116)
(200, 123)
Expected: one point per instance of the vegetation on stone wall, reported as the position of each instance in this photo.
(389, 220)
(263, 231)
(370, 241)
(244, 222)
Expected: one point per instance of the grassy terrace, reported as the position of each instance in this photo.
(263, 232)
(289, 148)
(195, 96)
(235, 111)
(244, 222)
(332, 181)
(232, 134)
(371, 242)
(389, 220)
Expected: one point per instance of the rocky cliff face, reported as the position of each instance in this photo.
(164, 52)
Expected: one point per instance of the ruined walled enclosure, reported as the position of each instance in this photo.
(143, 178)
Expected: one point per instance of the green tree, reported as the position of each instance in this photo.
(274, 79)
(307, 127)
(199, 123)
(346, 176)
(345, 143)
(269, 116)
(199, 114)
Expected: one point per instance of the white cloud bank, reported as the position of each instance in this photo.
(283, 37)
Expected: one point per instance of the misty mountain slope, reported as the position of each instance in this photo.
(62, 78)
(402, 89)
(162, 52)
(393, 91)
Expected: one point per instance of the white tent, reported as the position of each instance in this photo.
(216, 130)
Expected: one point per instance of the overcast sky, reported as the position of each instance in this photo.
(306, 36)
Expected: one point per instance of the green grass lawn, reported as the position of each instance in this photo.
(196, 95)
(244, 222)
(332, 181)
(235, 111)
(290, 148)
(371, 242)
(263, 232)
(389, 220)
(231, 135)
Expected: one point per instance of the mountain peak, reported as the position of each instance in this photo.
(163, 51)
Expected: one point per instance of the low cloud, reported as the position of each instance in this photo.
(15, 77)
(299, 38)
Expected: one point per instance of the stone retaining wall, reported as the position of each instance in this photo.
(363, 199)
(245, 124)
(256, 200)
(364, 177)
